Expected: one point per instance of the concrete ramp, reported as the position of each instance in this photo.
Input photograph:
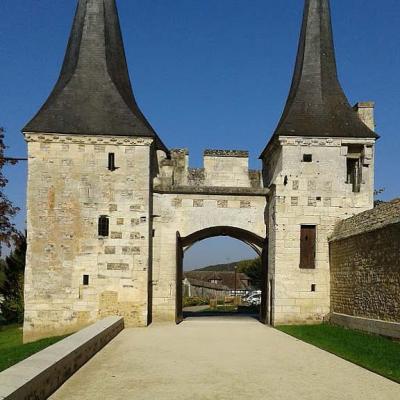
(220, 359)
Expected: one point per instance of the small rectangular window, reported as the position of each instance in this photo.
(104, 226)
(354, 173)
(307, 157)
(86, 280)
(307, 246)
(111, 161)
(313, 287)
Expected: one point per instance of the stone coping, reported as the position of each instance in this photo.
(213, 190)
(226, 153)
(376, 326)
(42, 374)
(383, 215)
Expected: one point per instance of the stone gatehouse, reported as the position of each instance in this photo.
(111, 209)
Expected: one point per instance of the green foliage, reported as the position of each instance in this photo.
(253, 269)
(2, 273)
(375, 353)
(8, 231)
(13, 351)
(12, 289)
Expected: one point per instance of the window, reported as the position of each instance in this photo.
(307, 157)
(86, 280)
(354, 174)
(307, 246)
(313, 287)
(104, 226)
(354, 166)
(111, 162)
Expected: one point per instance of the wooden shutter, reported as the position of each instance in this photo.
(307, 247)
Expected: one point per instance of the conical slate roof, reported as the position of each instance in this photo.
(317, 105)
(93, 94)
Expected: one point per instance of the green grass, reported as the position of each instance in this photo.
(12, 350)
(375, 353)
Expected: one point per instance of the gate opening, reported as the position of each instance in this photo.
(233, 288)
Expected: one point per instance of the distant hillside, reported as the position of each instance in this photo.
(226, 267)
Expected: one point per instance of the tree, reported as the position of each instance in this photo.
(253, 269)
(2, 274)
(8, 230)
(12, 288)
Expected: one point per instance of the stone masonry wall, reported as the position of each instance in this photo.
(186, 214)
(222, 168)
(365, 275)
(365, 265)
(69, 188)
(223, 193)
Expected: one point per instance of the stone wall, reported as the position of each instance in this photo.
(188, 213)
(308, 193)
(365, 265)
(69, 188)
(42, 374)
(222, 168)
(222, 193)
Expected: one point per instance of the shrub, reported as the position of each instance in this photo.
(194, 301)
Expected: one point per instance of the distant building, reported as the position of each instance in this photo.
(206, 290)
(222, 279)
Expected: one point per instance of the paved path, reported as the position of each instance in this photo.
(220, 359)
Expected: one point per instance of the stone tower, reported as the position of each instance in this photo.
(91, 164)
(319, 167)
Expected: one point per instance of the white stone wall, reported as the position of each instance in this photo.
(313, 193)
(226, 171)
(187, 214)
(69, 187)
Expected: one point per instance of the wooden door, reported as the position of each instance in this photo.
(264, 285)
(307, 247)
(179, 278)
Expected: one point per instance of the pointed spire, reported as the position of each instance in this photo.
(317, 105)
(93, 94)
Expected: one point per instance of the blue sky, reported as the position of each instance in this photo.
(207, 74)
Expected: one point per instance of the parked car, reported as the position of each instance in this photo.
(254, 299)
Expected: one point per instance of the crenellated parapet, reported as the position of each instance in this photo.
(221, 169)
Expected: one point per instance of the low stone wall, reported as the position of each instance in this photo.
(42, 374)
(365, 271)
(378, 327)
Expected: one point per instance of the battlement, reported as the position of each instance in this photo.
(221, 168)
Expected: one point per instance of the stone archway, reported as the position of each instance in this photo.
(256, 242)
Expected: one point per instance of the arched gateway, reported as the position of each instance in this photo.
(257, 243)
(106, 197)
